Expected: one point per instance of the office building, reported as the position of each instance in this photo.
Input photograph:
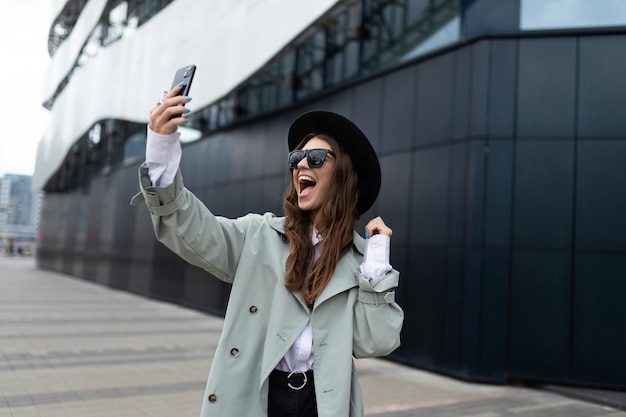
(499, 125)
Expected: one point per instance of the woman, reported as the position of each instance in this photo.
(304, 301)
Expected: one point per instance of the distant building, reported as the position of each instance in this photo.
(16, 209)
(16, 199)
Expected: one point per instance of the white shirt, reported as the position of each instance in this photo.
(163, 154)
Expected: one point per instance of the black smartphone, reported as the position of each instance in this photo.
(184, 74)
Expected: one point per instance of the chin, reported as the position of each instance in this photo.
(305, 207)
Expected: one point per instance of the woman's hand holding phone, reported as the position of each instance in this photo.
(166, 116)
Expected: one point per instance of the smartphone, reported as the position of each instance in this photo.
(184, 74)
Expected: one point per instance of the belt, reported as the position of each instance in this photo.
(295, 380)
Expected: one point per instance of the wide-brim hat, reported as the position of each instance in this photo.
(352, 139)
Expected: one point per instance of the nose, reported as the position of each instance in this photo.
(303, 164)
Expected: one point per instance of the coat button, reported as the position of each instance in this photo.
(254, 309)
(284, 238)
(234, 352)
(212, 398)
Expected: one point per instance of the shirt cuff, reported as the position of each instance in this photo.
(376, 258)
(163, 153)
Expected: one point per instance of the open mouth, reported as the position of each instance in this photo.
(306, 182)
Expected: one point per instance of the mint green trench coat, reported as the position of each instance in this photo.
(354, 316)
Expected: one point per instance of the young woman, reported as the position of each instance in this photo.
(304, 299)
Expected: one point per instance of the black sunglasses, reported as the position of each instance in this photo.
(314, 157)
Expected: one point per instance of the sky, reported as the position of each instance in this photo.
(24, 28)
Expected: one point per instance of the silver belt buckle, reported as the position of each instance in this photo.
(303, 382)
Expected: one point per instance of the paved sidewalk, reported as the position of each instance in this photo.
(70, 347)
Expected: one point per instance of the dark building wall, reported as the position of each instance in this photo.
(503, 169)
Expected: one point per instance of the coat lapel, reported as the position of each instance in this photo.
(344, 276)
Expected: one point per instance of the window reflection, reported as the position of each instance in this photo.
(562, 14)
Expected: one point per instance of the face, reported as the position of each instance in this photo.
(313, 184)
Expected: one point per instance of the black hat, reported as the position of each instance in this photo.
(352, 139)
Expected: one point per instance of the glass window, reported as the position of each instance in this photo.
(563, 14)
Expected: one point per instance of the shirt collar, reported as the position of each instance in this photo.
(315, 237)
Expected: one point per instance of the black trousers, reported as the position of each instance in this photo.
(291, 395)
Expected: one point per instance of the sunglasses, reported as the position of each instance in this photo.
(314, 157)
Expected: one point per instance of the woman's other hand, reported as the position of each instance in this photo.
(377, 226)
(169, 112)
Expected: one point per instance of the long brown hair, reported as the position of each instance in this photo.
(334, 222)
